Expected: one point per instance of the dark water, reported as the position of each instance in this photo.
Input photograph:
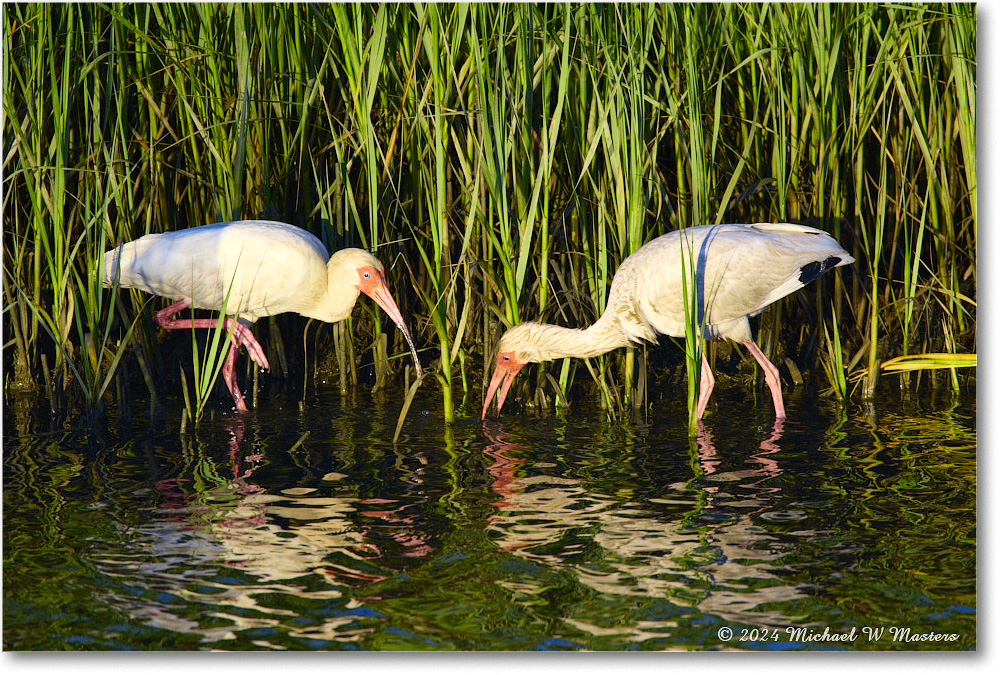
(528, 533)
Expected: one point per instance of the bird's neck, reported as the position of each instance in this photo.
(555, 342)
(331, 302)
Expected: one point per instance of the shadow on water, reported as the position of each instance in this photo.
(306, 528)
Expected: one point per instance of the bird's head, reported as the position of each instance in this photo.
(357, 267)
(365, 272)
(515, 350)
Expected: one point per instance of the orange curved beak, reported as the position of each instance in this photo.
(377, 290)
(507, 369)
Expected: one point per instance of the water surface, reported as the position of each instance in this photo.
(837, 530)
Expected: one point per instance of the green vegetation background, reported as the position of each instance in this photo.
(501, 160)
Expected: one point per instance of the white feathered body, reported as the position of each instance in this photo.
(738, 270)
(254, 268)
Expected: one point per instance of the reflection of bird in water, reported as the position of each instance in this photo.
(279, 543)
(237, 429)
(245, 570)
(223, 548)
(728, 568)
(709, 460)
(504, 468)
(402, 528)
(237, 484)
(231, 523)
(769, 446)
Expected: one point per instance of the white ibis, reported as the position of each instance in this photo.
(738, 270)
(252, 268)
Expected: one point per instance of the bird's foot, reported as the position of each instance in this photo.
(244, 336)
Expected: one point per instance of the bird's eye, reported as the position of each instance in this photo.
(368, 275)
(506, 358)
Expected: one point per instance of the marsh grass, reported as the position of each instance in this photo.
(502, 160)
(207, 364)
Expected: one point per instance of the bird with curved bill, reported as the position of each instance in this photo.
(732, 272)
(253, 268)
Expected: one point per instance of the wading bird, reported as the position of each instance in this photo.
(735, 272)
(249, 268)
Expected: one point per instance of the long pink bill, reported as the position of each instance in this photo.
(505, 373)
(379, 292)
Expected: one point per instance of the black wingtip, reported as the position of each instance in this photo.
(808, 273)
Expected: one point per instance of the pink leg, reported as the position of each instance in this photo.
(770, 376)
(707, 384)
(241, 335)
(229, 375)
